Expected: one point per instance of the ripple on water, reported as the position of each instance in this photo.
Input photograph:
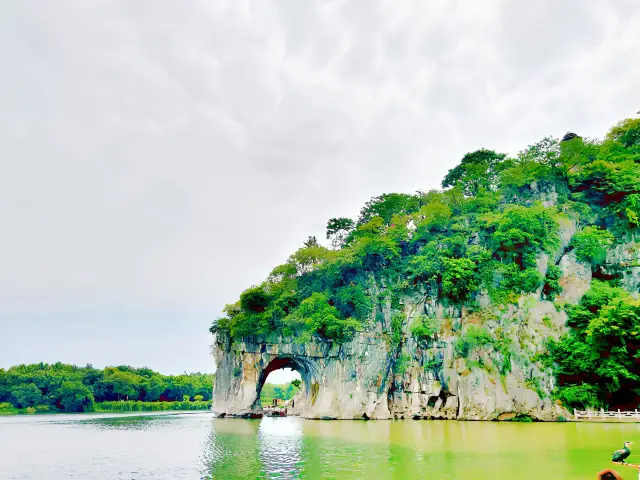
(199, 446)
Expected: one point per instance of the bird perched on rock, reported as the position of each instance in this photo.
(622, 454)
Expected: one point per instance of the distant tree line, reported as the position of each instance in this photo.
(284, 392)
(63, 387)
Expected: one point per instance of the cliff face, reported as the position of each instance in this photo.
(441, 304)
(374, 376)
(364, 379)
(371, 377)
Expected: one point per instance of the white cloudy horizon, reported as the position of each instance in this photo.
(159, 157)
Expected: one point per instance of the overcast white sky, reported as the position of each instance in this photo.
(158, 156)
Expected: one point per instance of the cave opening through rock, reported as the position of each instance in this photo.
(280, 381)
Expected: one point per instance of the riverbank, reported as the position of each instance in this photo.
(115, 407)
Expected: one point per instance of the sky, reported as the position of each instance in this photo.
(158, 157)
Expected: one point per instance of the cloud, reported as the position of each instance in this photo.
(160, 157)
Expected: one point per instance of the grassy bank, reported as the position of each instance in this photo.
(138, 406)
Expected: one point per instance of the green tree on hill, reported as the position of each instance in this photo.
(26, 395)
(75, 397)
(153, 387)
(338, 229)
(476, 171)
(124, 384)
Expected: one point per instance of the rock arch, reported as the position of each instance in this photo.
(370, 377)
(340, 381)
(302, 366)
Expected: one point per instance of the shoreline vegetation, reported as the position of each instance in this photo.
(270, 392)
(62, 388)
(122, 406)
(59, 387)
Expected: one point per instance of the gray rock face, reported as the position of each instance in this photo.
(576, 278)
(340, 381)
(370, 378)
(545, 193)
(623, 260)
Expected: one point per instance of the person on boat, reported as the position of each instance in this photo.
(621, 455)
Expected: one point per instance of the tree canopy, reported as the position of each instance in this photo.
(73, 389)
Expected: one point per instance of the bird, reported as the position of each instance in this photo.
(622, 454)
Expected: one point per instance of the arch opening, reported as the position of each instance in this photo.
(279, 397)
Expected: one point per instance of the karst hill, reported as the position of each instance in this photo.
(511, 293)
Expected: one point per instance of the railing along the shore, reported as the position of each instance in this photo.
(617, 415)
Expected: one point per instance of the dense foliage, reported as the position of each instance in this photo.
(62, 387)
(486, 232)
(598, 364)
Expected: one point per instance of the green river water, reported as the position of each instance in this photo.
(199, 446)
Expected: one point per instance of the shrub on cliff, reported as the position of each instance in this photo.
(425, 328)
(591, 244)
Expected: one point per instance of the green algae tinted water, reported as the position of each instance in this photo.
(197, 446)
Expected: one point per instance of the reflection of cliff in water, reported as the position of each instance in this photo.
(281, 447)
(267, 448)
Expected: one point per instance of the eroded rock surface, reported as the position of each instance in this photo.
(371, 378)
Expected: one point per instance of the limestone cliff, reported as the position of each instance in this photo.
(361, 378)
(369, 377)
(448, 304)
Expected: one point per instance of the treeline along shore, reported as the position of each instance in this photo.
(59, 387)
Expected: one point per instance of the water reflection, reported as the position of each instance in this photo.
(231, 450)
(199, 446)
(291, 448)
(128, 423)
(281, 447)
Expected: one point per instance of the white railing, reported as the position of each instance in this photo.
(595, 414)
